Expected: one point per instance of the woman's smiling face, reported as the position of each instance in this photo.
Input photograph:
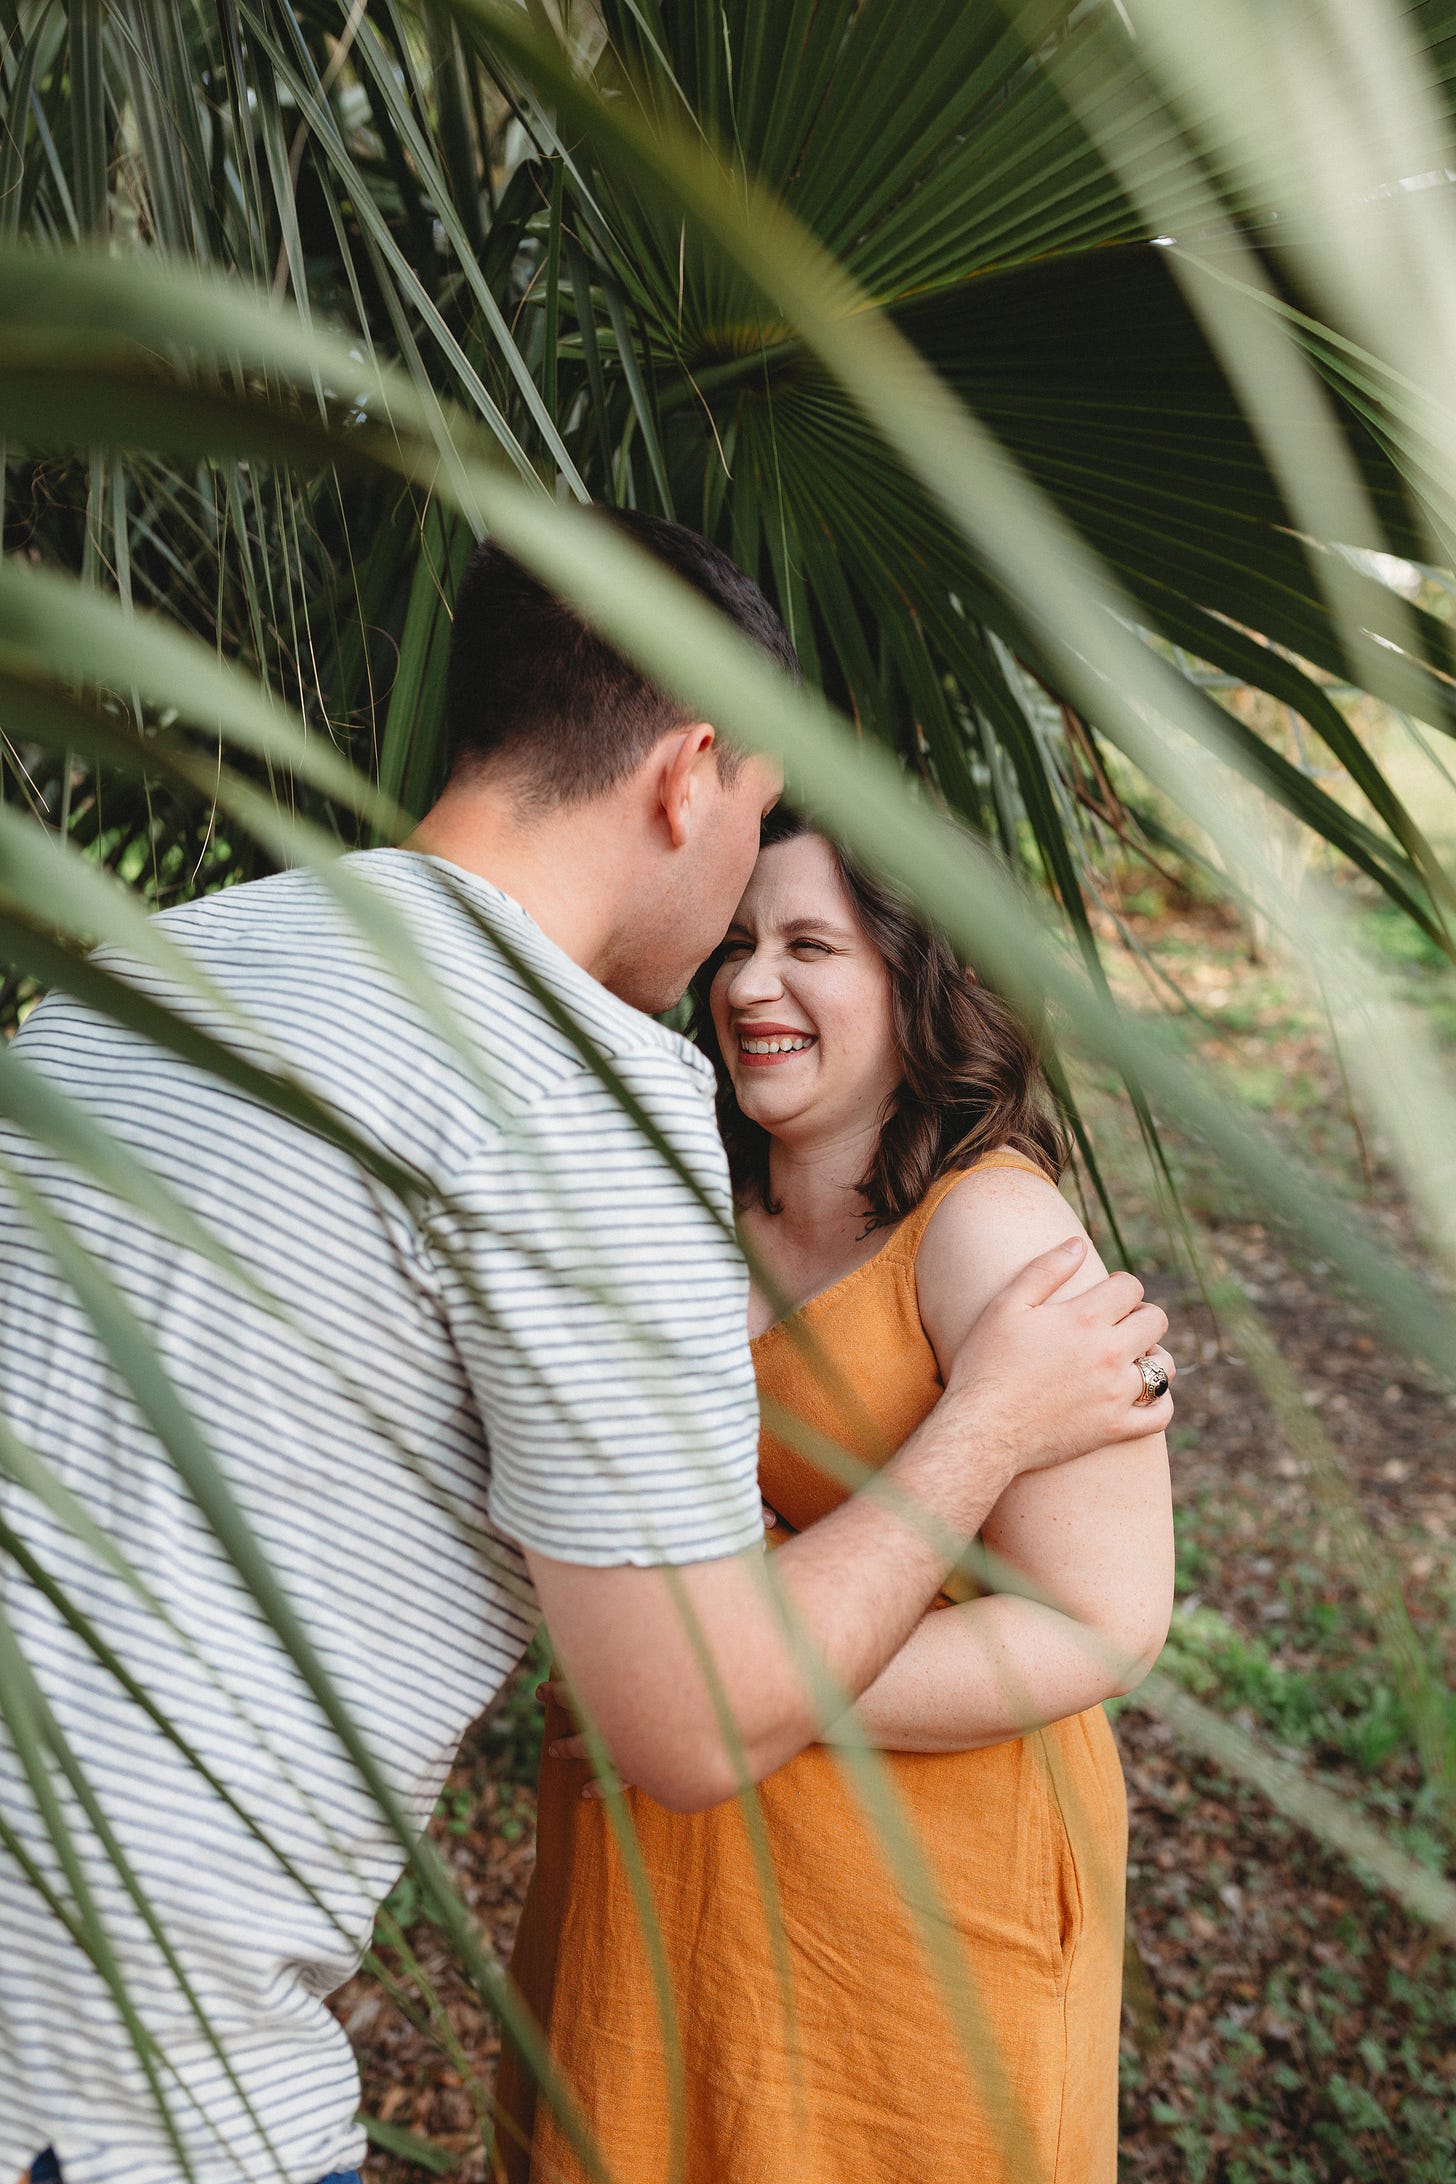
(801, 1000)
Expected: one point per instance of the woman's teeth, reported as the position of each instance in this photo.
(774, 1046)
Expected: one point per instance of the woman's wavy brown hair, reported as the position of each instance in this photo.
(971, 1082)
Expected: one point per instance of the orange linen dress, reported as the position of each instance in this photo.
(839, 2018)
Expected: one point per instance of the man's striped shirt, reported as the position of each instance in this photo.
(538, 1340)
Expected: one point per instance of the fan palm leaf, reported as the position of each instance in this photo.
(952, 173)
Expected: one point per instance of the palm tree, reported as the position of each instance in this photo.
(400, 173)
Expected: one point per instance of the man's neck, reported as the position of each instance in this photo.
(557, 865)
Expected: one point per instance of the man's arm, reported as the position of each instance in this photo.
(655, 1657)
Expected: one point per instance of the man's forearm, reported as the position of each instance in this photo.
(700, 1677)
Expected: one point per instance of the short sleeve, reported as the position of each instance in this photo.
(600, 1312)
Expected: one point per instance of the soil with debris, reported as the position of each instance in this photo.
(1283, 2020)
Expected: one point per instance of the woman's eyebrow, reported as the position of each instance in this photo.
(792, 926)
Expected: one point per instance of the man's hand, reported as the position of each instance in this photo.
(1039, 1379)
(1047, 1377)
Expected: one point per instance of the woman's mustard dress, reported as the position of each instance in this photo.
(814, 2007)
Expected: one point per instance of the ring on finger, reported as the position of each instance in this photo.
(1155, 1380)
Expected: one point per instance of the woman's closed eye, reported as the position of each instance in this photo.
(733, 951)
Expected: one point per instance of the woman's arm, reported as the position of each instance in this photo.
(1092, 1542)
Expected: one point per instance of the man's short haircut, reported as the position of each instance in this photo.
(532, 690)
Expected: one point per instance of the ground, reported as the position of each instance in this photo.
(1285, 2020)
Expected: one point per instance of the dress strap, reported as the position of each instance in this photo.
(909, 1235)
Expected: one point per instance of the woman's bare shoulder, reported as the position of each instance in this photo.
(983, 1232)
(1007, 1212)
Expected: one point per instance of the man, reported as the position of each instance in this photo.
(518, 1381)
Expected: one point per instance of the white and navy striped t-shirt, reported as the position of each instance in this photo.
(543, 1343)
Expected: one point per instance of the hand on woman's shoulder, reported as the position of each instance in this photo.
(984, 1231)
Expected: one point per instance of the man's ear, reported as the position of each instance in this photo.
(682, 777)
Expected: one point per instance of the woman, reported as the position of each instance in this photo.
(841, 2012)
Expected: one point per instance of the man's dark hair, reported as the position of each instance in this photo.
(533, 689)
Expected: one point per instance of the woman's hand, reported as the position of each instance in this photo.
(573, 1745)
(774, 1527)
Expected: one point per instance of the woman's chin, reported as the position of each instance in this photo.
(770, 1113)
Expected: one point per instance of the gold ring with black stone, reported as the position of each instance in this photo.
(1155, 1380)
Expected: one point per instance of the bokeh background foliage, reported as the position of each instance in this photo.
(495, 231)
(394, 171)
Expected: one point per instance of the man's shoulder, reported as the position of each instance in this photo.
(275, 896)
(440, 969)
(597, 1059)
(579, 1022)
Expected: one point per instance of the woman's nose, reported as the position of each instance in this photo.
(753, 979)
